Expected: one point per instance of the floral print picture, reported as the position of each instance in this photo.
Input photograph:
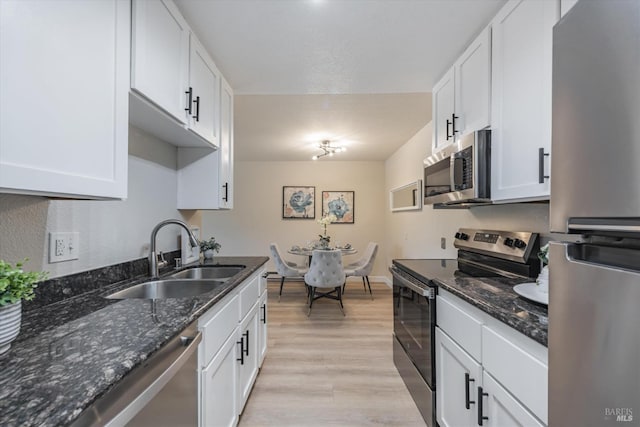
(299, 202)
(340, 204)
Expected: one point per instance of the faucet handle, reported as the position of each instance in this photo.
(161, 262)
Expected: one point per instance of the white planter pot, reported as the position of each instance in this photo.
(208, 254)
(10, 318)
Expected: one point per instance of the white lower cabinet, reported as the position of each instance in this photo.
(456, 376)
(262, 306)
(230, 354)
(248, 368)
(219, 387)
(503, 384)
(501, 408)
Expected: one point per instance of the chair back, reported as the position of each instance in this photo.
(326, 270)
(281, 265)
(369, 257)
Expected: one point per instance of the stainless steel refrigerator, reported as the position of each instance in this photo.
(594, 304)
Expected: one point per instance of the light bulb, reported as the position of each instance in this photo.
(314, 158)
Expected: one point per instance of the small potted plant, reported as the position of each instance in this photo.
(208, 246)
(324, 239)
(15, 285)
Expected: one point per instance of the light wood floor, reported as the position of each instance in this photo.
(330, 370)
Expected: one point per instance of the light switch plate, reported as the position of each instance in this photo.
(64, 246)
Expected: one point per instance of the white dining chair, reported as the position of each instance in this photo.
(363, 267)
(325, 271)
(286, 269)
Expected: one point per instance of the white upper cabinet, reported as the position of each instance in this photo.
(174, 81)
(64, 97)
(204, 79)
(521, 99)
(443, 101)
(205, 177)
(473, 85)
(160, 55)
(461, 98)
(225, 175)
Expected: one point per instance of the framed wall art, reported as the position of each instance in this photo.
(298, 202)
(339, 203)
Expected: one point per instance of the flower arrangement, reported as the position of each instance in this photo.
(16, 284)
(328, 219)
(210, 244)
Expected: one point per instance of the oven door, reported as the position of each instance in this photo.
(414, 317)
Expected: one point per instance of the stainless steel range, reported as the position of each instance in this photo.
(481, 253)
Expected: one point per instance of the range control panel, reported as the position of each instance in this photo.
(513, 245)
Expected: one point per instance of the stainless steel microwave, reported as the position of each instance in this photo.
(460, 174)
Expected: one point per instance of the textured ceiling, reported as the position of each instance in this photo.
(332, 48)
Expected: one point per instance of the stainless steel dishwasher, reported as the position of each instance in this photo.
(163, 391)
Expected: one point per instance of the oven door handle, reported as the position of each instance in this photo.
(429, 292)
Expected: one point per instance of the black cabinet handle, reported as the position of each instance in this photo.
(453, 125)
(197, 102)
(189, 94)
(481, 395)
(226, 192)
(541, 156)
(264, 313)
(246, 349)
(467, 400)
(241, 342)
(448, 124)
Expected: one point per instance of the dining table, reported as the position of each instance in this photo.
(305, 251)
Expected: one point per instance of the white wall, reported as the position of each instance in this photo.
(256, 220)
(416, 234)
(110, 231)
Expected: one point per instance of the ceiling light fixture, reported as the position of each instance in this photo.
(328, 149)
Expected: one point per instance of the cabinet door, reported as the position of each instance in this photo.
(225, 154)
(248, 367)
(204, 80)
(64, 97)
(458, 376)
(262, 306)
(160, 55)
(218, 380)
(473, 84)
(443, 107)
(502, 409)
(521, 99)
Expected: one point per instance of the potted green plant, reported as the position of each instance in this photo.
(208, 246)
(15, 285)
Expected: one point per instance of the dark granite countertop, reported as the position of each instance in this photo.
(493, 295)
(71, 352)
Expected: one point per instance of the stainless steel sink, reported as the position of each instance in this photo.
(163, 289)
(212, 272)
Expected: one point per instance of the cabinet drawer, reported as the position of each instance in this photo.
(465, 329)
(216, 330)
(249, 295)
(517, 370)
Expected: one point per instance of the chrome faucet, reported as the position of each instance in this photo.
(153, 259)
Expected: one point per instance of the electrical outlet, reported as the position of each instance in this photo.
(64, 246)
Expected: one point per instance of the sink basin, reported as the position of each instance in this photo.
(213, 272)
(163, 289)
